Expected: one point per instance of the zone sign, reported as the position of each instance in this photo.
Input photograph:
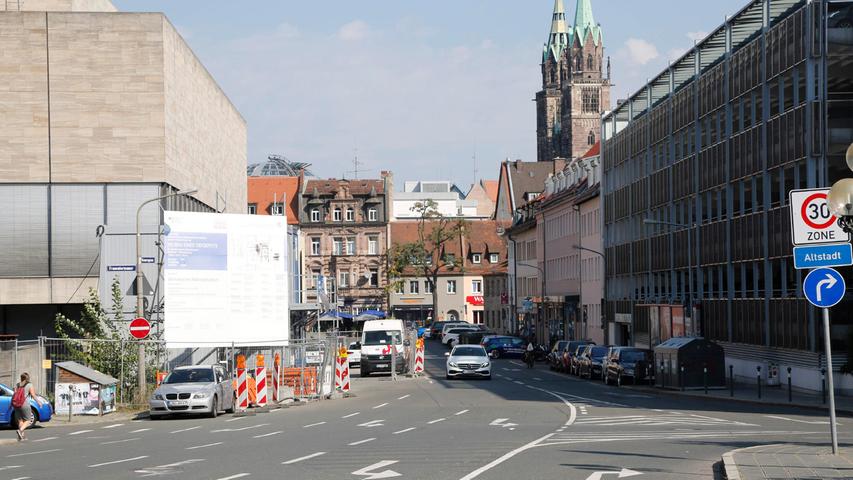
(811, 220)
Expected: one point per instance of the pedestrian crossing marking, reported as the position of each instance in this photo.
(657, 420)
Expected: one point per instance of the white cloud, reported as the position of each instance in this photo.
(354, 31)
(696, 36)
(639, 51)
(675, 54)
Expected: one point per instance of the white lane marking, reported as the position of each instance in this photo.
(140, 430)
(80, 432)
(250, 427)
(506, 457)
(21, 478)
(161, 469)
(121, 441)
(518, 382)
(436, 421)
(232, 477)
(372, 423)
(306, 457)
(118, 461)
(267, 434)
(657, 410)
(537, 379)
(186, 429)
(112, 426)
(403, 431)
(45, 439)
(369, 475)
(351, 415)
(403, 397)
(313, 424)
(380, 405)
(10, 467)
(33, 453)
(362, 441)
(592, 400)
(814, 422)
(235, 419)
(460, 413)
(204, 446)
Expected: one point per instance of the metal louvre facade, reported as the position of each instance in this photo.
(714, 144)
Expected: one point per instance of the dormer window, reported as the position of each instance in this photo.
(315, 215)
(372, 215)
(336, 215)
(476, 258)
(350, 215)
(493, 258)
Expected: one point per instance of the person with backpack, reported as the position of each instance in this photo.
(20, 403)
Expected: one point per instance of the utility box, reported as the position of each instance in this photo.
(694, 354)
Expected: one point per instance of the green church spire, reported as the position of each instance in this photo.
(558, 39)
(585, 23)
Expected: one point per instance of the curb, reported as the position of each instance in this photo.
(822, 408)
(730, 467)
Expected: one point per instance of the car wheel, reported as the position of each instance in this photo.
(35, 415)
(214, 407)
(447, 376)
(489, 377)
(496, 354)
(364, 372)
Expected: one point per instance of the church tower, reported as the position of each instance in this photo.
(575, 85)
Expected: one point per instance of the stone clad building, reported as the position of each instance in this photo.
(575, 85)
(344, 226)
(101, 110)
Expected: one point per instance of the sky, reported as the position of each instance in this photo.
(430, 90)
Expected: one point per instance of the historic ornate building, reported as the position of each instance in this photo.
(575, 85)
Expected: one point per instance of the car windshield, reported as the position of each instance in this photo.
(354, 346)
(598, 352)
(190, 375)
(633, 356)
(381, 337)
(469, 352)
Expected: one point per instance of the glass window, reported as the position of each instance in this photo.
(476, 258)
(374, 277)
(427, 287)
(253, 209)
(277, 209)
(398, 288)
(350, 215)
(372, 245)
(451, 286)
(315, 246)
(350, 245)
(477, 286)
(315, 215)
(336, 215)
(372, 215)
(493, 258)
(337, 246)
(413, 286)
(343, 281)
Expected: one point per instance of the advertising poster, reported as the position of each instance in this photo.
(678, 322)
(225, 279)
(665, 323)
(84, 398)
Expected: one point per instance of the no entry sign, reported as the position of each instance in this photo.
(811, 220)
(140, 328)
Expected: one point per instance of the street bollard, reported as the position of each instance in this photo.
(681, 377)
(758, 380)
(731, 380)
(823, 385)
(705, 378)
(662, 376)
(790, 394)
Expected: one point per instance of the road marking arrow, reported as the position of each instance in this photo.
(830, 282)
(502, 422)
(624, 473)
(369, 475)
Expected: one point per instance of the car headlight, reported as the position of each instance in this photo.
(200, 395)
(452, 364)
(157, 396)
(484, 365)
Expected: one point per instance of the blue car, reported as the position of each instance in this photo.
(40, 414)
(421, 331)
(505, 347)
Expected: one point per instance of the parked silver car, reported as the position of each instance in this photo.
(195, 389)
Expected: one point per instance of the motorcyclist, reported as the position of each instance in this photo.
(530, 356)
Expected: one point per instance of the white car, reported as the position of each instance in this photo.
(451, 337)
(447, 326)
(468, 360)
(354, 355)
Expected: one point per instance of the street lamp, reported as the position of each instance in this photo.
(689, 227)
(140, 311)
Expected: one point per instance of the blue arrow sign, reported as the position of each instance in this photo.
(816, 256)
(824, 287)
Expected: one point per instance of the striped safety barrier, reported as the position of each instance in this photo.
(276, 371)
(260, 381)
(342, 371)
(242, 384)
(419, 356)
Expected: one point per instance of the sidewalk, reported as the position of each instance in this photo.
(788, 461)
(119, 416)
(748, 393)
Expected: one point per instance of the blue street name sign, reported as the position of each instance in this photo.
(816, 256)
(824, 287)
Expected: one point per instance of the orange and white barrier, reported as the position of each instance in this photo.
(342, 371)
(260, 381)
(242, 384)
(276, 371)
(419, 356)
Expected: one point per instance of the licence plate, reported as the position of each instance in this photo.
(179, 403)
(382, 365)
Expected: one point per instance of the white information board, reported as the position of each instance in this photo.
(225, 279)
(811, 220)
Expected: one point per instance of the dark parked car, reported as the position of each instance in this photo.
(591, 361)
(555, 356)
(435, 329)
(840, 16)
(570, 353)
(473, 337)
(505, 347)
(630, 362)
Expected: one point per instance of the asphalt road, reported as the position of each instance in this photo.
(523, 424)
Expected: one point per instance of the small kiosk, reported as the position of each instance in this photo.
(693, 354)
(84, 390)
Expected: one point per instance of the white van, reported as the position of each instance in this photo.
(379, 340)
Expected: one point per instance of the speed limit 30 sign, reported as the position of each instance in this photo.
(811, 220)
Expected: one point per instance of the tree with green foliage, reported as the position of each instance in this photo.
(427, 256)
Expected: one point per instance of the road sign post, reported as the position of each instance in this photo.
(812, 222)
(824, 288)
